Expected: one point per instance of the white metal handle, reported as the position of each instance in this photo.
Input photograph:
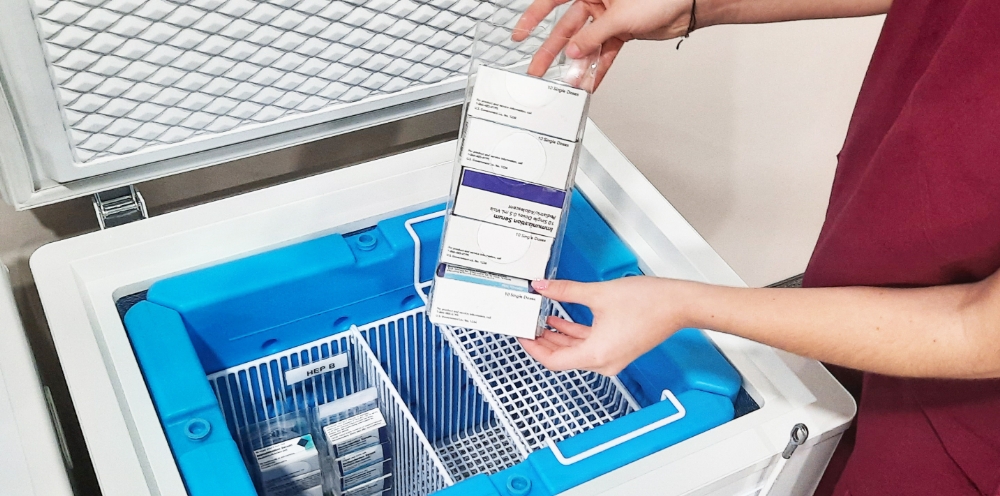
(666, 395)
(419, 286)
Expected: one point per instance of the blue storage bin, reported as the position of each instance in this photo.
(214, 345)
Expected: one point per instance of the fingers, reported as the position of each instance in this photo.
(560, 339)
(559, 350)
(572, 329)
(539, 349)
(593, 35)
(568, 25)
(532, 16)
(608, 53)
(568, 291)
(552, 355)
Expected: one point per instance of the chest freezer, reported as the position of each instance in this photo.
(175, 331)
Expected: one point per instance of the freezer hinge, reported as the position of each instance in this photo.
(118, 206)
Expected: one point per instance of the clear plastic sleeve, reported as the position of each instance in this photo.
(285, 459)
(356, 447)
(522, 126)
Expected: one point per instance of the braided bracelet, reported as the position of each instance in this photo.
(691, 24)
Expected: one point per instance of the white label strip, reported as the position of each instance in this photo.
(308, 370)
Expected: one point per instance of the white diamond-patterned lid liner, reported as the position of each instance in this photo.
(136, 74)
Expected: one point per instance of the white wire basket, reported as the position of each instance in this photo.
(453, 413)
(460, 402)
(257, 391)
(538, 406)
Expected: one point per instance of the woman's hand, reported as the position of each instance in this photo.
(618, 21)
(614, 23)
(631, 316)
(940, 331)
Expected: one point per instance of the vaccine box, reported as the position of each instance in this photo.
(495, 248)
(517, 154)
(509, 202)
(514, 166)
(485, 301)
(530, 103)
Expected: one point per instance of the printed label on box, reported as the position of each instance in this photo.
(290, 468)
(527, 102)
(517, 153)
(459, 273)
(365, 475)
(362, 458)
(361, 426)
(493, 248)
(509, 202)
(491, 303)
(370, 488)
(370, 438)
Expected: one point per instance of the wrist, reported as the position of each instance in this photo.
(684, 299)
(715, 12)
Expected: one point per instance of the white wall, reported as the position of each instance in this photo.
(740, 128)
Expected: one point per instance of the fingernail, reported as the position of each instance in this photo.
(540, 285)
(573, 51)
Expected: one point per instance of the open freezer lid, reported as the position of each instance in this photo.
(99, 94)
(30, 457)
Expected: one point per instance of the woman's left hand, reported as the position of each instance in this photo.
(631, 316)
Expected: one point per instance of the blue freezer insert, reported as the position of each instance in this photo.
(201, 444)
(239, 311)
(221, 317)
(546, 476)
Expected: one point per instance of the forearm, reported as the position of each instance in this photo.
(944, 331)
(712, 12)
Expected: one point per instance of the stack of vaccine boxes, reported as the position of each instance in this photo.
(358, 441)
(505, 221)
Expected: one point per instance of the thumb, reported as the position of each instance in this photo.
(593, 35)
(566, 291)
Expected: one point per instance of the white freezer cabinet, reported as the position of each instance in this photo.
(176, 331)
(582, 423)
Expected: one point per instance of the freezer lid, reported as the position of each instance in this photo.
(97, 94)
(31, 461)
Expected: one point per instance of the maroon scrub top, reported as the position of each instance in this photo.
(916, 202)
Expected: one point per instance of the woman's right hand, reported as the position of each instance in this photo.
(614, 23)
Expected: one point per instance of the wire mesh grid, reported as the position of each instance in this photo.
(134, 74)
(538, 404)
(256, 391)
(442, 395)
(464, 419)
